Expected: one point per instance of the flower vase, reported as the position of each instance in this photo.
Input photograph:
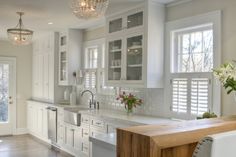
(129, 110)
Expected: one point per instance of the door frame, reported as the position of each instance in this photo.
(12, 61)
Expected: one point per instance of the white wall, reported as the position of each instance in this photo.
(23, 56)
(228, 8)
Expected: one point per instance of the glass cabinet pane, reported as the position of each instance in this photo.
(114, 54)
(115, 25)
(63, 66)
(134, 58)
(135, 20)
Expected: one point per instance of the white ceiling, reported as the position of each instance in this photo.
(40, 12)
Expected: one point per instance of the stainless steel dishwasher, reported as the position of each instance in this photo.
(52, 124)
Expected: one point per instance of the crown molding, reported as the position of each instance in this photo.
(178, 2)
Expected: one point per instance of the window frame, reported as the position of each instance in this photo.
(176, 34)
(213, 18)
(100, 45)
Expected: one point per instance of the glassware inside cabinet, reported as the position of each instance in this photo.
(63, 66)
(115, 25)
(135, 20)
(134, 58)
(114, 54)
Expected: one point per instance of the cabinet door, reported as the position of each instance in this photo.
(45, 123)
(46, 76)
(63, 68)
(40, 120)
(115, 25)
(40, 76)
(30, 117)
(69, 134)
(61, 133)
(35, 76)
(34, 118)
(134, 19)
(114, 60)
(134, 57)
(77, 139)
(51, 77)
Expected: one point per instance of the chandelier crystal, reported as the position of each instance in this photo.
(19, 35)
(87, 9)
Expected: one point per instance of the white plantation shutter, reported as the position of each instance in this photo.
(191, 95)
(179, 95)
(90, 81)
(200, 96)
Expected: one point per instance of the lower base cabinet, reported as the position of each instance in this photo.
(37, 121)
(71, 139)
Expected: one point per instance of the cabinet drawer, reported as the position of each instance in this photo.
(85, 119)
(85, 148)
(97, 123)
(85, 133)
(94, 132)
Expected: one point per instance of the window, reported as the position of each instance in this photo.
(95, 66)
(92, 58)
(192, 57)
(192, 52)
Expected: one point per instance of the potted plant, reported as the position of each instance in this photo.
(130, 101)
(226, 74)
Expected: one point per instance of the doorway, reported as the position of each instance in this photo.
(7, 95)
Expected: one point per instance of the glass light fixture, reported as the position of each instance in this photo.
(87, 9)
(19, 35)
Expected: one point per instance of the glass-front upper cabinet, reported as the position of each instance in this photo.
(134, 58)
(115, 25)
(63, 66)
(135, 20)
(126, 21)
(114, 59)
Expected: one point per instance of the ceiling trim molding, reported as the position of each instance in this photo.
(178, 3)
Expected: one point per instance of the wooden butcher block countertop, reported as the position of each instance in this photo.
(176, 139)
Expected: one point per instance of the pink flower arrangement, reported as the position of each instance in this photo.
(130, 101)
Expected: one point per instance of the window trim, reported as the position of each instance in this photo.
(213, 18)
(100, 44)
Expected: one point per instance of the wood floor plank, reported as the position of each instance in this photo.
(26, 146)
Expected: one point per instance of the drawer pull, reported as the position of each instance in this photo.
(97, 123)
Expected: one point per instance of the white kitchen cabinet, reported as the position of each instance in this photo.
(134, 47)
(45, 69)
(37, 121)
(70, 51)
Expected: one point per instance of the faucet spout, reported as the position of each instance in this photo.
(92, 102)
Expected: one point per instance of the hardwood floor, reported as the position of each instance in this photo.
(26, 146)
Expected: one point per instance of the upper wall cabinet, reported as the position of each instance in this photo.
(70, 47)
(134, 47)
(45, 69)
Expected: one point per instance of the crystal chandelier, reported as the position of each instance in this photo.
(19, 35)
(86, 9)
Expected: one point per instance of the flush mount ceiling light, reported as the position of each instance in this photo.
(19, 35)
(87, 9)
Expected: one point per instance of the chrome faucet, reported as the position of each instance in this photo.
(92, 101)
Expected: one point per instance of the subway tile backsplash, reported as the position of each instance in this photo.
(153, 101)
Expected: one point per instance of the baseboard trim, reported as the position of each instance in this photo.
(21, 131)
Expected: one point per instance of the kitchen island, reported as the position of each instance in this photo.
(169, 140)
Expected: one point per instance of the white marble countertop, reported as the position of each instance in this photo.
(118, 116)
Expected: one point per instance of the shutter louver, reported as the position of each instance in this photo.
(90, 79)
(199, 96)
(179, 95)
